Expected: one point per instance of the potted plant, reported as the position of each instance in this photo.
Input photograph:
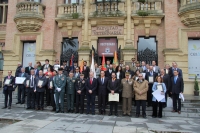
(196, 87)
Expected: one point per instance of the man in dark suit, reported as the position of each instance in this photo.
(177, 87)
(8, 89)
(109, 72)
(127, 70)
(21, 88)
(180, 74)
(80, 93)
(40, 83)
(113, 87)
(46, 65)
(18, 70)
(102, 82)
(52, 89)
(86, 70)
(167, 82)
(150, 75)
(36, 70)
(28, 68)
(31, 90)
(91, 86)
(76, 73)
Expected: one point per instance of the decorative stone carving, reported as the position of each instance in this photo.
(30, 16)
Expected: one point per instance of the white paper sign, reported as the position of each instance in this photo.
(29, 53)
(158, 96)
(19, 80)
(114, 97)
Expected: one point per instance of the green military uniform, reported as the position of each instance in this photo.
(70, 93)
(60, 82)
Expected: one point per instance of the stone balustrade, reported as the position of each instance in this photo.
(189, 5)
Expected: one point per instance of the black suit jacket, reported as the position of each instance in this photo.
(27, 70)
(177, 87)
(121, 75)
(92, 86)
(18, 71)
(86, 72)
(12, 83)
(108, 74)
(28, 78)
(44, 79)
(171, 74)
(102, 88)
(80, 85)
(42, 68)
(167, 81)
(48, 84)
(154, 76)
(113, 86)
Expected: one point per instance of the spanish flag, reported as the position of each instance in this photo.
(81, 66)
(103, 66)
(115, 60)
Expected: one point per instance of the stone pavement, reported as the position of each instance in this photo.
(50, 122)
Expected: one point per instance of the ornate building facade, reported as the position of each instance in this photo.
(145, 29)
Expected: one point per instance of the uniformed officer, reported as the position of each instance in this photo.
(59, 84)
(127, 93)
(70, 92)
(80, 93)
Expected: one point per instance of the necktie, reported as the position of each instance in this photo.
(127, 80)
(91, 81)
(22, 75)
(101, 80)
(175, 79)
(32, 81)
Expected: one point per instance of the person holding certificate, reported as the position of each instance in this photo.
(21, 88)
(51, 88)
(113, 87)
(31, 90)
(59, 84)
(150, 77)
(141, 87)
(158, 85)
(40, 84)
(127, 94)
(9, 81)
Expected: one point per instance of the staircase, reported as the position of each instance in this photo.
(190, 107)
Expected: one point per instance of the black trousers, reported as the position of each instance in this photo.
(90, 103)
(80, 102)
(157, 105)
(21, 93)
(31, 98)
(102, 102)
(8, 93)
(115, 104)
(53, 104)
(138, 104)
(149, 95)
(40, 99)
(48, 95)
(176, 99)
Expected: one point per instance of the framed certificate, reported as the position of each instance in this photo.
(151, 80)
(160, 87)
(114, 97)
(27, 82)
(40, 82)
(8, 81)
(51, 84)
(19, 80)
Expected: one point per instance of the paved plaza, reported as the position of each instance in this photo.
(50, 122)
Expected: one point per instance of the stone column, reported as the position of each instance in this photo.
(85, 37)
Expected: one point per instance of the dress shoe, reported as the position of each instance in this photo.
(72, 111)
(153, 116)
(116, 114)
(99, 113)
(4, 108)
(57, 111)
(109, 114)
(68, 111)
(174, 111)
(18, 103)
(42, 109)
(62, 111)
(81, 112)
(28, 108)
(137, 115)
(93, 113)
(76, 112)
(22, 102)
(53, 109)
(87, 113)
(129, 114)
(9, 107)
(179, 112)
(124, 114)
(144, 116)
(36, 109)
(159, 116)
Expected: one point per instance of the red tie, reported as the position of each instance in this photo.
(91, 81)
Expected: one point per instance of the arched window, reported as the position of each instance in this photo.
(1, 61)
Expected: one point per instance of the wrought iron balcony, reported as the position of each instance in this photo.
(147, 8)
(107, 8)
(70, 11)
(29, 16)
(190, 12)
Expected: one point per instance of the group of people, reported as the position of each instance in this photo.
(133, 81)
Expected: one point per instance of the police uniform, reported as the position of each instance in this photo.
(70, 93)
(80, 85)
(59, 84)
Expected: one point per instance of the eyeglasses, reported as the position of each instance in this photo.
(140, 76)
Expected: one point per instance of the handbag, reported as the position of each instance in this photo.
(169, 102)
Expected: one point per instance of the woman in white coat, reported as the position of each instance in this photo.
(158, 104)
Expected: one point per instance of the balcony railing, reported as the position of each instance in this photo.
(189, 5)
(107, 8)
(70, 11)
(150, 8)
(30, 9)
(3, 13)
